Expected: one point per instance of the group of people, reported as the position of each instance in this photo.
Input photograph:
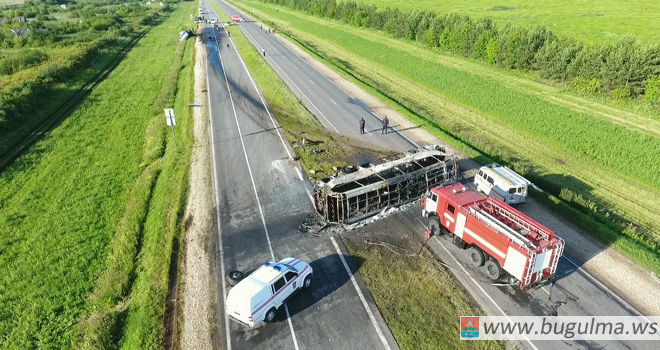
(268, 30)
(385, 122)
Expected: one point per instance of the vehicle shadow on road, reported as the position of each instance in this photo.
(329, 276)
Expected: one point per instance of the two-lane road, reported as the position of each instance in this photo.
(335, 108)
(261, 197)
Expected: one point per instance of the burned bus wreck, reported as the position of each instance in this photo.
(350, 197)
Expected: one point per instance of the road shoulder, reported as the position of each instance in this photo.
(199, 292)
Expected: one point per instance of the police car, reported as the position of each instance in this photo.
(257, 297)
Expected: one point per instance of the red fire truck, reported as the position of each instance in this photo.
(497, 236)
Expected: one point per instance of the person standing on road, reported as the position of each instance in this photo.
(227, 46)
(386, 124)
(362, 126)
(263, 51)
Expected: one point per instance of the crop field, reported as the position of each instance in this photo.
(578, 149)
(84, 252)
(588, 20)
(10, 2)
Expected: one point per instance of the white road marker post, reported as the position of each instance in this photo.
(171, 122)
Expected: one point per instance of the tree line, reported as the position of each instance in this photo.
(622, 70)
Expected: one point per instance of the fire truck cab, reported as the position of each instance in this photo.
(498, 237)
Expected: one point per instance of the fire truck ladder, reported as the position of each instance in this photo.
(558, 251)
(530, 267)
(501, 227)
(519, 221)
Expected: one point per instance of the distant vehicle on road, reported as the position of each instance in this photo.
(237, 19)
(257, 297)
(213, 20)
(502, 182)
(498, 237)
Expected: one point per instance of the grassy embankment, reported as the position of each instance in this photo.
(592, 21)
(91, 212)
(470, 107)
(412, 320)
(58, 93)
(420, 300)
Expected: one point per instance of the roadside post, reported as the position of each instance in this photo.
(171, 122)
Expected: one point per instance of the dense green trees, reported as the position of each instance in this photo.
(626, 69)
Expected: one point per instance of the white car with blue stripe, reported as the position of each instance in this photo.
(257, 297)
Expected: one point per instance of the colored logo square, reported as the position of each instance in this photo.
(469, 326)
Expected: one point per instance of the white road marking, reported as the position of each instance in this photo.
(545, 290)
(294, 84)
(310, 80)
(293, 333)
(333, 101)
(217, 213)
(299, 173)
(254, 187)
(601, 285)
(338, 87)
(386, 345)
(311, 199)
(481, 289)
(272, 120)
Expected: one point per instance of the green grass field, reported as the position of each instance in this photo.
(102, 190)
(10, 2)
(58, 94)
(590, 150)
(588, 20)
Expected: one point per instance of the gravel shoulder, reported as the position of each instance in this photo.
(605, 264)
(199, 277)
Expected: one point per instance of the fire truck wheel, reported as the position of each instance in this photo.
(493, 270)
(477, 257)
(434, 226)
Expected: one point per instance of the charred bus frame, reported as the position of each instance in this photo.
(350, 197)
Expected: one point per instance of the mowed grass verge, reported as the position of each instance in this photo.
(101, 195)
(419, 299)
(416, 322)
(575, 154)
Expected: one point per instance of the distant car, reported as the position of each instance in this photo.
(213, 20)
(257, 297)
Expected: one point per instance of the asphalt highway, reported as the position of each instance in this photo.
(575, 291)
(260, 199)
(335, 108)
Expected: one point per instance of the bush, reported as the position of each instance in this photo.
(652, 90)
(590, 86)
(22, 60)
